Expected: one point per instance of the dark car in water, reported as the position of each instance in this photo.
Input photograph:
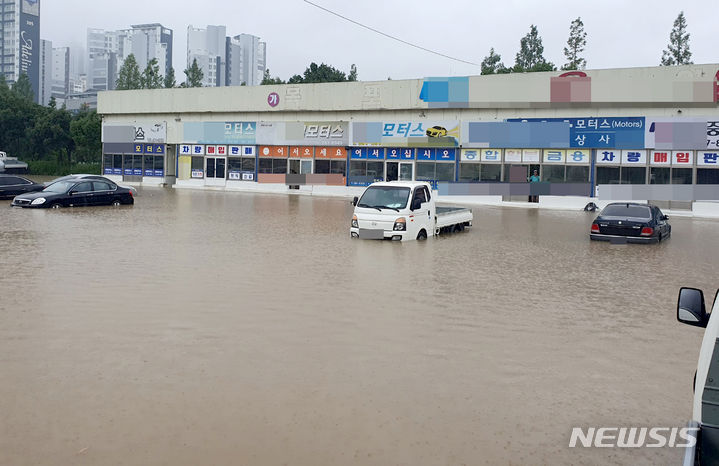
(76, 192)
(632, 223)
(12, 185)
(90, 177)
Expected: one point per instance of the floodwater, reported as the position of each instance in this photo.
(233, 328)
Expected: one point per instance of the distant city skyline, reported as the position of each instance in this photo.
(619, 34)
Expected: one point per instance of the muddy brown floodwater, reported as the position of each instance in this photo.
(231, 328)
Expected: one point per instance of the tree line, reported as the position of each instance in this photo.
(530, 57)
(52, 140)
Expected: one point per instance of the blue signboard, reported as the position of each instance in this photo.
(375, 153)
(117, 171)
(138, 148)
(358, 154)
(445, 155)
(107, 171)
(425, 154)
(149, 172)
(600, 132)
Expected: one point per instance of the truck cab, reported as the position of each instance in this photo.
(403, 210)
(691, 310)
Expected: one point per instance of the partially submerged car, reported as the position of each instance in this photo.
(12, 185)
(630, 222)
(91, 177)
(76, 193)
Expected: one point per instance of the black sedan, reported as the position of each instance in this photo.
(632, 223)
(76, 192)
(12, 185)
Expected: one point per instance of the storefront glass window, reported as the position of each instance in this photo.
(681, 176)
(553, 173)
(490, 172)
(577, 174)
(707, 176)
(659, 175)
(634, 175)
(468, 172)
(608, 175)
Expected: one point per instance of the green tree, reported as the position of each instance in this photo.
(194, 75)
(296, 79)
(677, 52)
(50, 136)
(129, 76)
(170, 79)
(23, 88)
(85, 131)
(267, 79)
(575, 46)
(53, 103)
(492, 63)
(531, 54)
(353, 73)
(151, 78)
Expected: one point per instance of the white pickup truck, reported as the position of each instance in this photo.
(404, 210)
(704, 450)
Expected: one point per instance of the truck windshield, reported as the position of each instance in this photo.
(385, 197)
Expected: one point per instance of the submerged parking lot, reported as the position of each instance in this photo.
(233, 328)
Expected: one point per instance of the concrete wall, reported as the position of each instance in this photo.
(690, 85)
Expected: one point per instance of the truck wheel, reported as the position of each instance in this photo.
(422, 235)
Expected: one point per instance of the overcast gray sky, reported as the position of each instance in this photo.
(619, 33)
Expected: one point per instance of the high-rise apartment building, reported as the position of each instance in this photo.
(226, 61)
(107, 51)
(20, 47)
(45, 72)
(207, 46)
(60, 73)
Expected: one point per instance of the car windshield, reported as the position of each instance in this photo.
(626, 210)
(385, 197)
(59, 187)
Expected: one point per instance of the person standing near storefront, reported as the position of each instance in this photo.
(534, 179)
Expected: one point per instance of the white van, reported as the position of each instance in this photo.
(705, 412)
(404, 210)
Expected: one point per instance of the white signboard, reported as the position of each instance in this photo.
(491, 155)
(634, 157)
(469, 155)
(578, 156)
(683, 158)
(554, 155)
(708, 159)
(660, 157)
(713, 134)
(608, 157)
(197, 173)
(198, 149)
(512, 155)
(530, 155)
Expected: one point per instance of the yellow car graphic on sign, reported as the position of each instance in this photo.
(436, 132)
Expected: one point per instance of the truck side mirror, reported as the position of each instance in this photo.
(354, 201)
(690, 307)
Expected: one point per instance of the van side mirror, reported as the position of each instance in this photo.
(416, 204)
(690, 307)
(354, 201)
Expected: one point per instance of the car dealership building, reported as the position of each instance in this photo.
(634, 133)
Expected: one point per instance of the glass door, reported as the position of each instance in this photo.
(406, 171)
(293, 167)
(215, 171)
(392, 171)
(306, 167)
